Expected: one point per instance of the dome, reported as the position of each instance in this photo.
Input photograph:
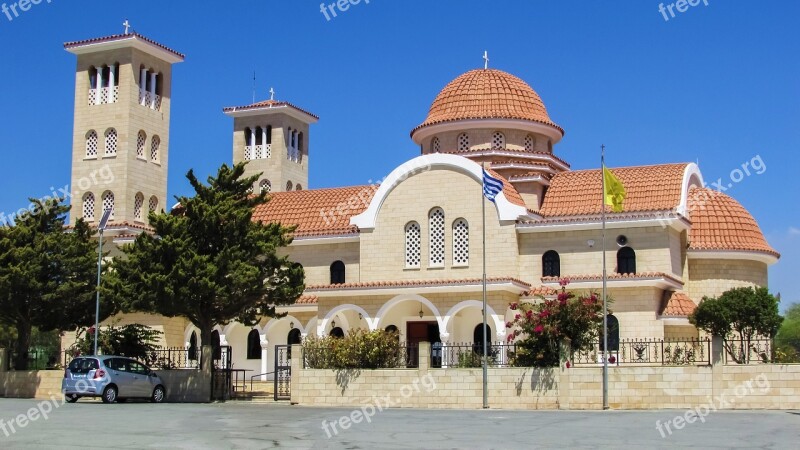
(721, 223)
(487, 94)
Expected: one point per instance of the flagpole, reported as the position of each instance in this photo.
(483, 228)
(605, 311)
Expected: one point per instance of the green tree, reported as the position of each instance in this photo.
(739, 315)
(132, 340)
(787, 341)
(47, 274)
(209, 262)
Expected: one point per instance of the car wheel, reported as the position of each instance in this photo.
(109, 394)
(72, 398)
(158, 394)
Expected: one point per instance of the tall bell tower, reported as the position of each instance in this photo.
(272, 136)
(120, 146)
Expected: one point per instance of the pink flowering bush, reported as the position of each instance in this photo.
(542, 326)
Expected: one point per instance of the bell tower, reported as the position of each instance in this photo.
(120, 147)
(272, 136)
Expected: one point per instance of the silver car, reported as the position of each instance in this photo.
(112, 378)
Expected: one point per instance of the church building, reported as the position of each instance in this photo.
(406, 254)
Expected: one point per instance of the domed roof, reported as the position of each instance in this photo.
(487, 94)
(721, 223)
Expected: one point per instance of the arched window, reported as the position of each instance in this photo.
(293, 338)
(153, 204)
(155, 143)
(108, 203)
(300, 147)
(530, 143)
(111, 142)
(551, 264)
(436, 224)
(138, 202)
(193, 347)
(435, 145)
(337, 273)
(391, 329)
(626, 261)
(498, 140)
(613, 334)
(140, 141)
(91, 144)
(299, 187)
(288, 186)
(477, 338)
(265, 186)
(460, 242)
(215, 345)
(413, 246)
(550, 146)
(253, 345)
(88, 207)
(463, 142)
(337, 333)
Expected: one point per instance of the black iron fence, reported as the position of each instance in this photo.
(470, 355)
(37, 360)
(163, 358)
(649, 352)
(344, 356)
(748, 351)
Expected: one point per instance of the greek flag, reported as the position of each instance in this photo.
(491, 186)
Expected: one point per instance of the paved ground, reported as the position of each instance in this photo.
(240, 425)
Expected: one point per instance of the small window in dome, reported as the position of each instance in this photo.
(530, 143)
(463, 142)
(435, 146)
(498, 140)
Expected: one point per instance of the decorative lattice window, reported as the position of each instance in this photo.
(88, 207)
(413, 246)
(436, 223)
(460, 242)
(463, 142)
(153, 203)
(108, 203)
(91, 144)
(140, 141)
(498, 140)
(155, 143)
(530, 143)
(288, 186)
(436, 146)
(138, 202)
(111, 142)
(265, 186)
(299, 187)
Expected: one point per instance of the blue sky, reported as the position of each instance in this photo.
(716, 84)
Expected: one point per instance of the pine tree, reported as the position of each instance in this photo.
(47, 274)
(209, 262)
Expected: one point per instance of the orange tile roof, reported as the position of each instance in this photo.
(267, 104)
(540, 291)
(510, 192)
(487, 94)
(415, 283)
(649, 188)
(677, 304)
(613, 276)
(317, 212)
(121, 37)
(721, 223)
(307, 300)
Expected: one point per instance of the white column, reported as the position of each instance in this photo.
(153, 90)
(445, 338)
(264, 142)
(264, 356)
(253, 143)
(142, 85)
(99, 86)
(112, 71)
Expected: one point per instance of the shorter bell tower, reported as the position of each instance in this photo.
(272, 136)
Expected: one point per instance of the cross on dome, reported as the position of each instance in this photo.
(485, 59)
(127, 25)
(271, 94)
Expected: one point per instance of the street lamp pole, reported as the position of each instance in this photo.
(101, 227)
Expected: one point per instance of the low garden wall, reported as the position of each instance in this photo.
(715, 386)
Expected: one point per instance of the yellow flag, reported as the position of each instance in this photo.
(615, 191)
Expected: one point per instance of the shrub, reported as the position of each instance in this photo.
(359, 349)
(133, 340)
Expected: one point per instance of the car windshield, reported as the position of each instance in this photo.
(83, 365)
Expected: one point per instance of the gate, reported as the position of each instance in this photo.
(221, 383)
(283, 372)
